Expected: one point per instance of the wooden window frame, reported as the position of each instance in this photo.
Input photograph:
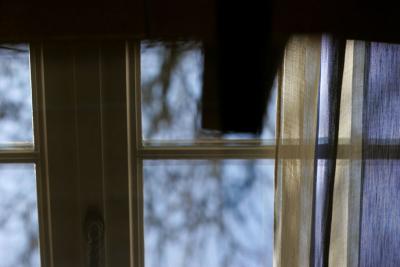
(58, 108)
(141, 150)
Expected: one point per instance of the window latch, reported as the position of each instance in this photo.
(94, 232)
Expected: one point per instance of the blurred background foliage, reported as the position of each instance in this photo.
(19, 237)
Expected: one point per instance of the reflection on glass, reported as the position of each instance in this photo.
(19, 230)
(15, 95)
(208, 213)
(171, 80)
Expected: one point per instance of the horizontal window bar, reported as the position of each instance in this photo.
(18, 146)
(18, 156)
(249, 152)
(207, 152)
(208, 142)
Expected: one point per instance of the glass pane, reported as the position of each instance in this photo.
(208, 213)
(171, 80)
(19, 230)
(15, 95)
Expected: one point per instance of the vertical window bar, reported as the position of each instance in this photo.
(39, 130)
(135, 143)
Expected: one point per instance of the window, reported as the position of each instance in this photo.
(113, 135)
(207, 197)
(19, 160)
(116, 131)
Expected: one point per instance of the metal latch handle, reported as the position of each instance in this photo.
(94, 232)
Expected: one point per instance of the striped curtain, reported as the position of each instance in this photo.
(337, 195)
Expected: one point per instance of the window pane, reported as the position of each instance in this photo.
(171, 80)
(208, 213)
(15, 95)
(19, 230)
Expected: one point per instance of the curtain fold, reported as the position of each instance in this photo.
(337, 197)
(319, 153)
(332, 65)
(296, 139)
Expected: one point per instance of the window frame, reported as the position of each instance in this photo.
(141, 150)
(65, 198)
(51, 171)
(34, 154)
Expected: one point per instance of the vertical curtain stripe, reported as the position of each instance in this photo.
(298, 112)
(332, 66)
(354, 198)
(338, 242)
(380, 216)
(344, 243)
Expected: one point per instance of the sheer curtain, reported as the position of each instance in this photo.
(337, 190)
